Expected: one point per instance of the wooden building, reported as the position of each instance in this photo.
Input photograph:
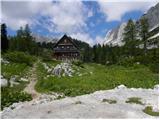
(66, 49)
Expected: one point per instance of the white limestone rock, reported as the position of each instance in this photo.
(4, 82)
(121, 87)
(156, 87)
(4, 61)
(24, 79)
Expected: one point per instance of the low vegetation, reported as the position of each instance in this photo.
(18, 66)
(96, 77)
(149, 110)
(134, 100)
(20, 57)
(10, 95)
(13, 69)
(110, 101)
(78, 102)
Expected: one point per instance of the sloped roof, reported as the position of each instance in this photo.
(68, 38)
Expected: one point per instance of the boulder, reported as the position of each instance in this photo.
(13, 78)
(45, 66)
(63, 69)
(12, 83)
(4, 82)
(24, 79)
(4, 61)
(156, 87)
(121, 87)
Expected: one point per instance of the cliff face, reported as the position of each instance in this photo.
(153, 16)
(115, 36)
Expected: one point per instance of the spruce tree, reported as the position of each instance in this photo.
(130, 38)
(144, 33)
(4, 39)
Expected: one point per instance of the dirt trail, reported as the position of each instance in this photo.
(33, 79)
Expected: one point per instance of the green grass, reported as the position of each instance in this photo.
(134, 100)
(10, 95)
(13, 95)
(102, 78)
(110, 101)
(12, 69)
(148, 110)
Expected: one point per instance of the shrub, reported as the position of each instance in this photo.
(20, 57)
(78, 102)
(109, 101)
(154, 67)
(8, 97)
(46, 55)
(148, 110)
(77, 63)
(127, 62)
(135, 100)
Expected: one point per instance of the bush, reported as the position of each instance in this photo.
(134, 100)
(149, 61)
(110, 101)
(20, 57)
(78, 63)
(8, 97)
(46, 55)
(149, 110)
(127, 62)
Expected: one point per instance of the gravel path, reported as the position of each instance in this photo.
(88, 106)
(33, 79)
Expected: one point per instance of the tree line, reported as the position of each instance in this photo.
(133, 51)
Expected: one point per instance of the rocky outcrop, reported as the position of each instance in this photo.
(153, 17)
(87, 106)
(115, 36)
(3, 82)
(62, 69)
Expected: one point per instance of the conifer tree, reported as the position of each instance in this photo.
(144, 32)
(4, 39)
(130, 38)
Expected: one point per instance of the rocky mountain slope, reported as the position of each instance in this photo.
(115, 36)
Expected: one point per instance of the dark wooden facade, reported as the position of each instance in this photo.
(66, 49)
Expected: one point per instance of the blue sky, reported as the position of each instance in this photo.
(88, 21)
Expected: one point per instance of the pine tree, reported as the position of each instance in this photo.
(4, 39)
(144, 32)
(103, 55)
(130, 38)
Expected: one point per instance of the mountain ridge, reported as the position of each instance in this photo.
(153, 19)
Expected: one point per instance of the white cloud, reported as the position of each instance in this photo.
(64, 16)
(90, 13)
(114, 11)
(99, 39)
(83, 37)
(19, 13)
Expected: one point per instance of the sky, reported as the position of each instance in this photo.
(85, 20)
